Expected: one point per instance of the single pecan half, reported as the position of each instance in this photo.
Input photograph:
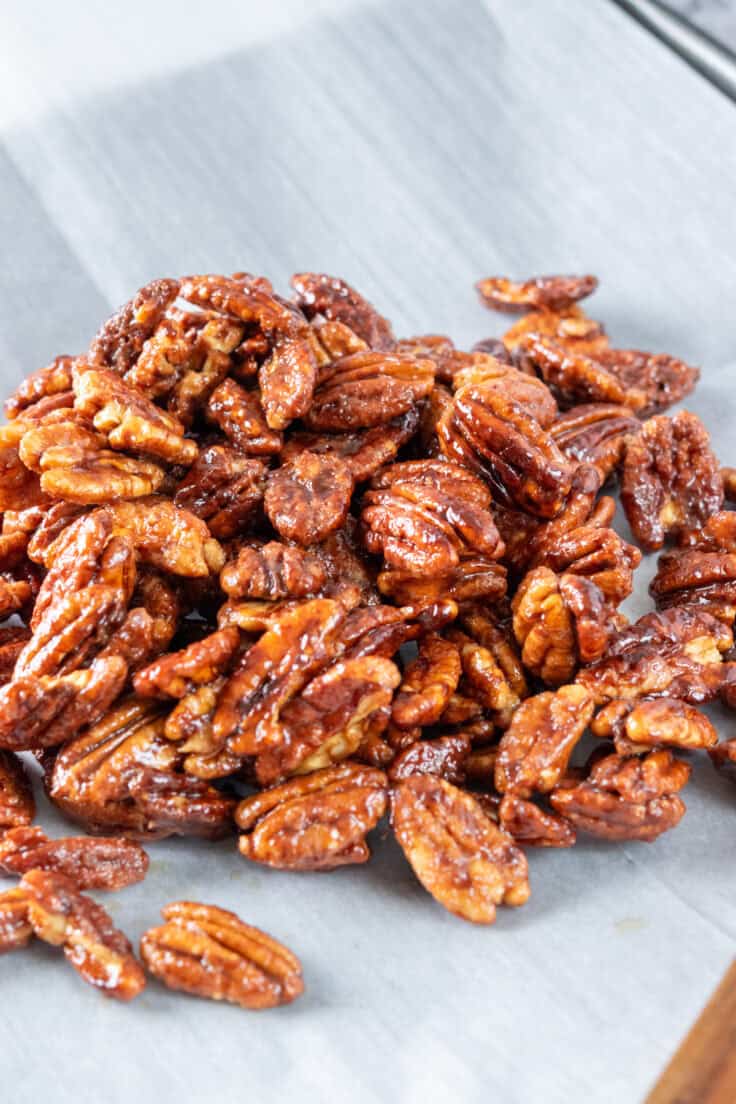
(178, 673)
(626, 799)
(533, 826)
(102, 863)
(119, 342)
(224, 488)
(364, 451)
(62, 916)
(703, 571)
(536, 748)
(670, 479)
(17, 805)
(273, 571)
(55, 379)
(553, 293)
(459, 855)
(497, 437)
(595, 433)
(570, 328)
(528, 391)
(315, 822)
(662, 722)
(15, 927)
(443, 756)
(575, 378)
(168, 537)
(309, 497)
(595, 553)
(209, 952)
(428, 683)
(240, 416)
(368, 389)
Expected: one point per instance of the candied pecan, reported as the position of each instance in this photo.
(209, 952)
(315, 822)
(475, 579)
(424, 516)
(576, 378)
(13, 639)
(119, 342)
(533, 826)
(41, 711)
(14, 595)
(626, 799)
(483, 682)
(224, 488)
(598, 554)
(62, 916)
(381, 630)
(17, 806)
(336, 300)
(167, 537)
(128, 419)
(101, 863)
(331, 717)
(560, 621)
(693, 576)
(368, 389)
(336, 340)
(135, 641)
(273, 571)
(190, 725)
(528, 391)
(428, 683)
(670, 478)
(239, 414)
(595, 433)
(663, 379)
(498, 438)
(178, 673)
(444, 756)
(122, 774)
(668, 722)
(272, 671)
(309, 497)
(440, 349)
(15, 927)
(159, 598)
(72, 630)
(553, 293)
(571, 328)
(19, 487)
(364, 450)
(675, 653)
(498, 639)
(535, 749)
(459, 855)
(54, 379)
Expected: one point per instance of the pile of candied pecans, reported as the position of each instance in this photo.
(222, 524)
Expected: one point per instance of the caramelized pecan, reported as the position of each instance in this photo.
(240, 416)
(315, 822)
(332, 297)
(428, 683)
(368, 389)
(273, 571)
(553, 293)
(533, 826)
(110, 863)
(637, 726)
(459, 855)
(670, 479)
(210, 952)
(364, 450)
(309, 497)
(535, 750)
(178, 673)
(118, 344)
(595, 433)
(444, 757)
(15, 927)
(224, 488)
(17, 806)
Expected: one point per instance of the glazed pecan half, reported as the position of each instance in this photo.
(459, 855)
(110, 863)
(273, 571)
(703, 571)
(15, 927)
(553, 293)
(428, 683)
(209, 952)
(317, 293)
(61, 915)
(595, 433)
(309, 497)
(626, 799)
(662, 722)
(368, 389)
(670, 479)
(119, 342)
(315, 822)
(224, 488)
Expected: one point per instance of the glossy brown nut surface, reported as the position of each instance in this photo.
(317, 293)
(309, 497)
(15, 927)
(368, 389)
(110, 863)
(661, 722)
(62, 916)
(459, 855)
(595, 433)
(178, 673)
(535, 749)
(428, 683)
(443, 756)
(17, 804)
(533, 826)
(315, 822)
(240, 416)
(273, 571)
(119, 342)
(553, 293)
(209, 952)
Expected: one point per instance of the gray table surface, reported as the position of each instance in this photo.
(411, 147)
(717, 17)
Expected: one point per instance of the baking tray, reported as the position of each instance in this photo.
(412, 148)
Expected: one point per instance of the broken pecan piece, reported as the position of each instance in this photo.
(209, 952)
(554, 293)
(626, 799)
(428, 683)
(102, 863)
(535, 749)
(17, 806)
(309, 497)
(315, 822)
(62, 916)
(459, 855)
(670, 479)
(444, 757)
(175, 675)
